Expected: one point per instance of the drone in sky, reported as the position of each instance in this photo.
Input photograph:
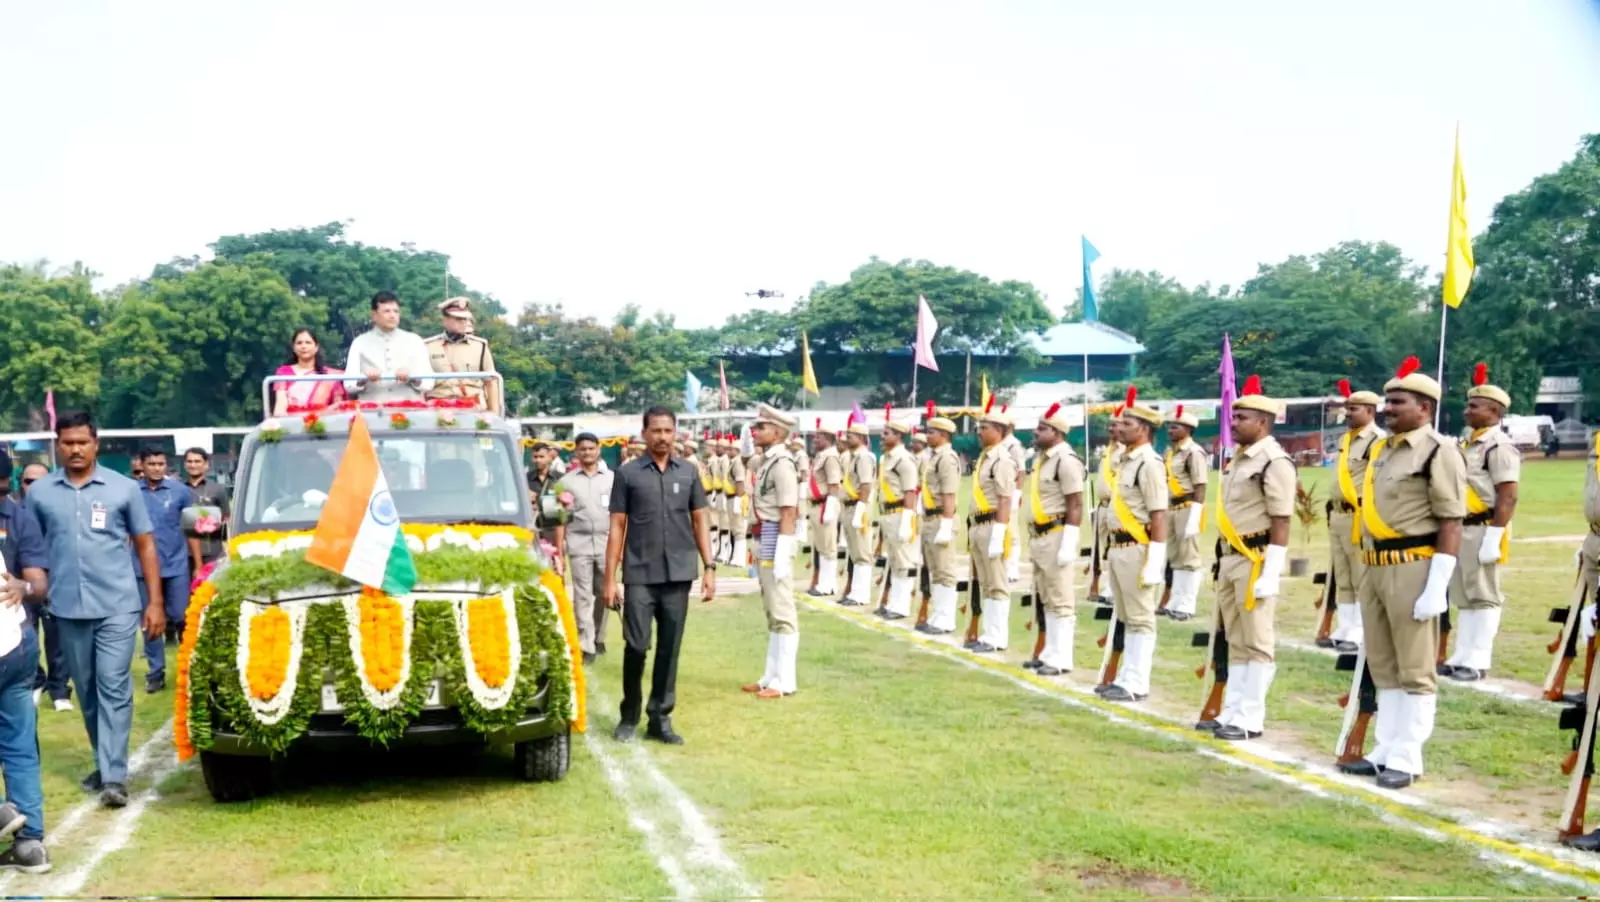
(763, 293)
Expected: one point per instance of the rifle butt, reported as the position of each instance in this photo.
(922, 612)
(1444, 645)
(1570, 763)
(1038, 642)
(1213, 705)
(1111, 668)
(1558, 686)
(1325, 625)
(1574, 825)
(1355, 745)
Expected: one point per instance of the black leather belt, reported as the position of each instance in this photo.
(1345, 508)
(1254, 541)
(1405, 543)
(1124, 538)
(1052, 525)
(1482, 519)
(1182, 499)
(889, 506)
(980, 519)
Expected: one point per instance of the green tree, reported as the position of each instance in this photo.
(48, 343)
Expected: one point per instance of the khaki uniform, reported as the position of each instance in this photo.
(1257, 485)
(1057, 475)
(994, 478)
(827, 471)
(860, 472)
(1187, 469)
(738, 506)
(1142, 485)
(1492, 459)
(897, 491)
(716, 470)
(463, 354)
(1418, 478)
(941, 475)
(776, 488)
(1344, 540)
(1110, 465)
(1590, 557)
(1015, 539)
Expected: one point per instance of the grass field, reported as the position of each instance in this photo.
(894, 772)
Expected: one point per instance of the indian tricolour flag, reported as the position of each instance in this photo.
(358, 534)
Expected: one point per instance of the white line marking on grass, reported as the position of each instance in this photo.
(122, 826)
(621, 785)
(153, 751)
(1565, 856)
(694, 842)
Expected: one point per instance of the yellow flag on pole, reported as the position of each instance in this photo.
(1458, 263)
(983, 390)
(808, 376)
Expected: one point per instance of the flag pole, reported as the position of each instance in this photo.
(1086, 418)
(914, 368)
(1438, 409)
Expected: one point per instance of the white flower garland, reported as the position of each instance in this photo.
(566, 649)
(270, 711)
(488, 697)
(487, 542)
(383, 701)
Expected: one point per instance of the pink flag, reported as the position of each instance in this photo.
(50, 406)
(722, 374)
(857, 415)
(927, 327)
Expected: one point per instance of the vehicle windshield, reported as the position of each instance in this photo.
(433, 477)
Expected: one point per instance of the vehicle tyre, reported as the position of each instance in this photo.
(232, 778)
(544, 760)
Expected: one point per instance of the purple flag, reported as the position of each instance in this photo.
(927, 327)
(1225, 415)
(857, 415)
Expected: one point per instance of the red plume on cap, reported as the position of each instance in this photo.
(929, 415)
(1004, 407)
(1480, 374)
(1407, 367)
(888, 412)
(1054, 409)
(1133, 395)
(1344, 388)
(819, 424)
(1252, 386)
(989, 406)
(1118, 411)
(1179, 413)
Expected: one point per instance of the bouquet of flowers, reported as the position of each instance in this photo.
(202, 521)
(557, 504)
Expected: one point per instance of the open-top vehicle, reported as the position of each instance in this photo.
(279, 653)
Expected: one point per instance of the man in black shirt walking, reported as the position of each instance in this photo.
(658, 515)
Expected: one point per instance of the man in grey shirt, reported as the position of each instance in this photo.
(88, 515)
(658, 515)
(582, 540)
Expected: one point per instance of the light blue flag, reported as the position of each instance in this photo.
(1090, 313)
(691, 393)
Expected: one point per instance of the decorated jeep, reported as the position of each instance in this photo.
(280, 653)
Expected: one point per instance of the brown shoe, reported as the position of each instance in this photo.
(769, 693)
(750, 687)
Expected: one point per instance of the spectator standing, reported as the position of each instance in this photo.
(457, 350)
(89, 514)
(582, 540)
(387, 356)
(51, 676)
(658, 517)
(178, 557)
(208, 492)
(305, 359)
(23, 550)
(541, 482)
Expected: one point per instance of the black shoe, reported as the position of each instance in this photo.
(1102, 689)
(1047, 670)
(1346, 647)
(599, 648)
(880, 612)
(935, 631)
(91, 783)
(1395, 779)
(1467, 674)
(1033, 664)
(1325, 643)
(1361, 768)
(971, 646)
(1236, 734)
(661, 731)
(26, 855)
(1180, 616)
(1163, 612)
(1208, 726)
(154, 684)
(892, 616)
(114, 795)
(1116, 693)
(624, 732)
(984, 648)
(588, 657)
(1444, 670)
(1574, 698)
(1588, 842)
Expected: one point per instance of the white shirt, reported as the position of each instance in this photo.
(388, 352)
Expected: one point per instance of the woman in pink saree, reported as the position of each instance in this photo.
(305, 358)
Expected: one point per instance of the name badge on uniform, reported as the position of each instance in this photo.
(675, 487)
(605, 500)
(97, 516)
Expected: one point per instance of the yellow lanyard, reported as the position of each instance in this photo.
(980, 501)
(1173, 485)
(1476, 505)
(889, 496)
(1035, 501)
(1125, 518)
(1347, 486)
(1369, 502)
(1225, 526)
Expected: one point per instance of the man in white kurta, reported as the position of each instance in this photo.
(387, 356)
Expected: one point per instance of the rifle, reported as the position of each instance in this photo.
(1111, 661)
(849, 576)
(1215, 642)
(1328, 601)
(1095, 565)
(925, 589)
(1582, 720)
(1351, 746)
(975, 599)
(1444, 637)
(1037, 600)
(1566, 641)
(1166, 593)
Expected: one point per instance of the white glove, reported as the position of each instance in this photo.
(1489, 551)
(1191, 527)
(997, 540)
(1586, 622)
(1271, 569)
(830, 510)
(947, 531)
(783, 557)
(859, 521)
(1069, 546)
(1155, 565)
(904, 529)
(802, 531)
(1433, 600)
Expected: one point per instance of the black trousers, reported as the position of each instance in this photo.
(666, 606)
(53, 681)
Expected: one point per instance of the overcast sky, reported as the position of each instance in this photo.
(679, 159)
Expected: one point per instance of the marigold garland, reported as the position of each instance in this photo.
(383, 647)
(486, 636)
(199, 599)
(569, 624)
(269, 653)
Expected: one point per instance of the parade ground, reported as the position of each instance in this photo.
(903, 767)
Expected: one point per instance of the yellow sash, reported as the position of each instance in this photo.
(1125, 518)
(980, 501)
(1369, 503)
(1176, 487)
(1035, 501)
(1225, 526)
(1476, 505)
(851, 493)
(705, 479)
(889, 496)
(1347, 486)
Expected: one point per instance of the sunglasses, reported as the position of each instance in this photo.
(27, 482)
